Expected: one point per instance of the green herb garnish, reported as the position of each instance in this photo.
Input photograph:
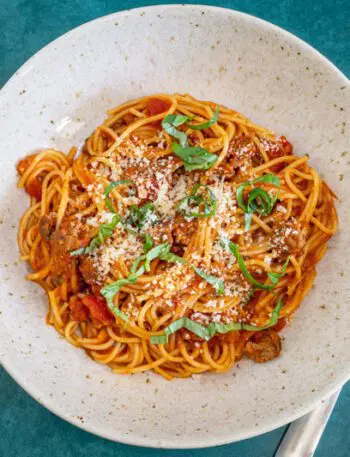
(148, 243)
(105, 231)
(207, 124)
(139, 216)
(169, 124)
(195, 199)
(275, 277)
(259, 201)
(109, 189)
(109, 291)
(195, 157)
(233, 248)
(216, 282)
(206, 333)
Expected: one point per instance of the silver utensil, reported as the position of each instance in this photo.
(304, 434)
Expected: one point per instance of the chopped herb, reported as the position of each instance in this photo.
(169, 124)
(195, 157)
(232, 247)
(275, 277)
(109, 189)
(148, 243)
(259, 200)
(109, 291)
(207, 124)
(140, 215)
(206, 333)
(216, 282)
(195, 199)
(105, 231)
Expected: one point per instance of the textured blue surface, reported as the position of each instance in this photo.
(29, 430)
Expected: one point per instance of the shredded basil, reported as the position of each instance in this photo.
(169, 124)
(259, 201)
(275, 277)
(148, 243)
(233, 248)
(140, 215)
(109, 189)
(206, 333)
(195, 199)
(194, 157)
(168, 256)
(207, 124)
(216, 282)
(105, 231)
(109, 291)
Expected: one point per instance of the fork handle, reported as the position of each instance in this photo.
(304, 434)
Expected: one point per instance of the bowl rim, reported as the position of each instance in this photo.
(49, 403)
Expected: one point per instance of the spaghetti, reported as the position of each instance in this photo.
(181, 238)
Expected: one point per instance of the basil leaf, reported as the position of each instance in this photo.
(207, 124)
(217, 283)
(275, 277)
(259, 200)
(110, 187)
(206, 333)
(196, 200)
(273, 319)
(140, 215)
(194, 158)
(148, 243)
(117, 312)
(235, 251)
(169, 124)
(109, 291)
(154, 253)
(105, 231)
(172, 258)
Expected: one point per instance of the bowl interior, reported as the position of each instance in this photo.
(58, 97)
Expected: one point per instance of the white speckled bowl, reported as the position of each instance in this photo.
(58, 97)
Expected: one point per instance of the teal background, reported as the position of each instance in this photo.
(26, 428)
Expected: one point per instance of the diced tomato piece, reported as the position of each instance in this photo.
(98, 309)
(286, 146)
(157, 106)
(33, 187)
(23, 164)
(78, 310)
(280, 325)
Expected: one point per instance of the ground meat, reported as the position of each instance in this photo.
(89, 271)
(240, 154)
(289, 237)
(79, 312)
(161, 231)
(264, 346)
(279, 147)
(47, 225)
(72, 234)
(149, 176)
(183, 231)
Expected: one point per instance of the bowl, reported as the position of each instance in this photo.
(58, 97)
